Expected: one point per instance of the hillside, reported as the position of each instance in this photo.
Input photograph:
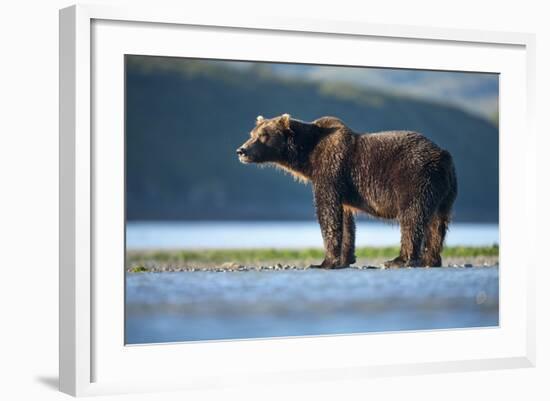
(185, 119)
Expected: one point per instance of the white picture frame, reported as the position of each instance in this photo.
(93, 360)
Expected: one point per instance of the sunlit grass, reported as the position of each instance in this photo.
(268, 254)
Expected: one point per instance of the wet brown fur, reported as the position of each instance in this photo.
(394, 175)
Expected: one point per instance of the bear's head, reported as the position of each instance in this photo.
(269, 141)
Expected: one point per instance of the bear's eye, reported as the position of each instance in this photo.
(263, 136)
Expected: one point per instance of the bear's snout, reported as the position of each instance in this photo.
(243, 153)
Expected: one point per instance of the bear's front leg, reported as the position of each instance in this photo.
(330, 215)
(348, 238)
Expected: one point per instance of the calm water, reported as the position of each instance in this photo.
(281, 234)
(190, 306)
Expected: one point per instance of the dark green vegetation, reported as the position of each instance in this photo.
(185, 119)
(138, 269)
(135, 259)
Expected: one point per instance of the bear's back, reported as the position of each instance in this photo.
(399, 144)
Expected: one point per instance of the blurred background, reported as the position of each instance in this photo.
(186, 117)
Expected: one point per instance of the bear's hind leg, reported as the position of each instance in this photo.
(413, 225)
(437, 228)
(412, 235)
(434, 238)
(395, 262)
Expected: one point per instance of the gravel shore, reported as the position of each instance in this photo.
(177, 266)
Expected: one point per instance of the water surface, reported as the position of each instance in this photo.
(191, 306)
(300, 234)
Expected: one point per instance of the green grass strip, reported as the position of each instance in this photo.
(268, 254)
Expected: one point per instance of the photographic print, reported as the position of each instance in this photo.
(269, 200)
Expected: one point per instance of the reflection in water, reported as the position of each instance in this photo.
(168, 307)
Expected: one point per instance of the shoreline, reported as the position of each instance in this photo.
(231, 260)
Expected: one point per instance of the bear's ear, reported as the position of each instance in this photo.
(259, 119)
(285, 121)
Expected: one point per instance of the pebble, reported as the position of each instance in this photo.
(454, 265)
(232, 267)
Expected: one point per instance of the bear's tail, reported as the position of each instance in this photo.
(449, 199)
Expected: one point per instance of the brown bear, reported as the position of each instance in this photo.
(397, 175)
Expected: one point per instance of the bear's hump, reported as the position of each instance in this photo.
(329, 122)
